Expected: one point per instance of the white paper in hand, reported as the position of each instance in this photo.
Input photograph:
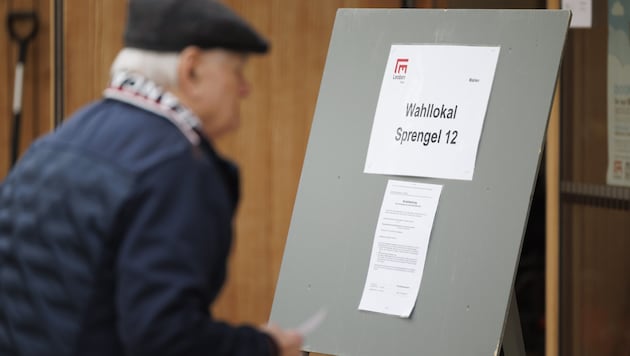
(311, 324)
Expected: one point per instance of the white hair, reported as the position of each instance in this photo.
(160, 67)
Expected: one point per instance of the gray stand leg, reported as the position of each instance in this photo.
(305, 353)
(513, 344)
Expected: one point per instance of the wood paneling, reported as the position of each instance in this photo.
(92, 37)
(36, 91)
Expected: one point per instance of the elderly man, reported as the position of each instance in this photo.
(115, 229)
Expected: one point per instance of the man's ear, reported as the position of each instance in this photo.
(189, 59)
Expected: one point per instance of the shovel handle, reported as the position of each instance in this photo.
(22, 38)
(15, 143)
(22, 16)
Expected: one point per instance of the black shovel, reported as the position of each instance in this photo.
(23, 39)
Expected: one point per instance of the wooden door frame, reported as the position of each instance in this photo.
(552, 258)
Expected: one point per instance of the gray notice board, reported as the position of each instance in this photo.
(479, 226)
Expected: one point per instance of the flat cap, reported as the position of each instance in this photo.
(172, 25)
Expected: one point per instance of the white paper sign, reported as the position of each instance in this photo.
(400, 247)
(430, 111)
(618, 172)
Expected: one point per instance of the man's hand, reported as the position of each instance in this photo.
(289, 342)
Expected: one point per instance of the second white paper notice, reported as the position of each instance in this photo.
(430, 111)
(400, 247)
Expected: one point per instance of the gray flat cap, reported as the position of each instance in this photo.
(172, 25)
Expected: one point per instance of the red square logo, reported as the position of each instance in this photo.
(401, 66)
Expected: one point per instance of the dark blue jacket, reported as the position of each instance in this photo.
(114, 236)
